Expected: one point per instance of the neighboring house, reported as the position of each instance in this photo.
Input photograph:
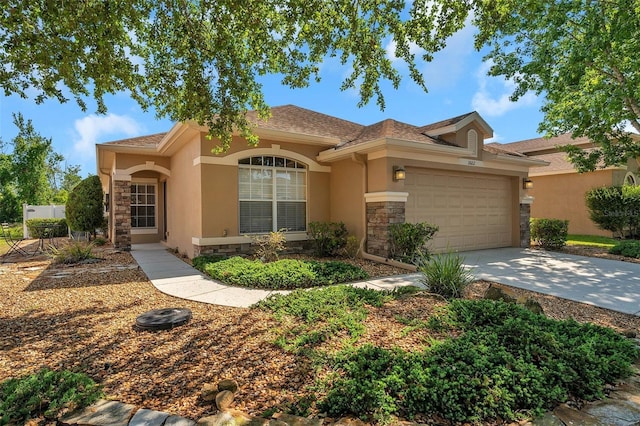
(559, 190)
(310, 167)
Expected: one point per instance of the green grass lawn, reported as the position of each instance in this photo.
(591, 240)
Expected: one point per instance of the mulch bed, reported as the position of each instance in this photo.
(82, 318)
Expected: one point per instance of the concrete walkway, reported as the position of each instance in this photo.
(606, 283)
(610, 284)
(176, 278)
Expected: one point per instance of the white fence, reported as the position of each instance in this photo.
(40, 212)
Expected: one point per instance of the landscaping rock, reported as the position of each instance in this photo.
(296, 420)
(631, 334)
(102, 413)
(548, 419)
(209, 392)
(497, 293)
(228, 384)
(615, 412)
(570, 416)
(224, 400)
(227, 418)
(145, 417)
(179, 421)
(347, 421)
(531, 304)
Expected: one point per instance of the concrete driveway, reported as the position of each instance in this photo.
(606, 283)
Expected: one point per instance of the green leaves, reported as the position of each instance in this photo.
(582, 56)
(202, 60)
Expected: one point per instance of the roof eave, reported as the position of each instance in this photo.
(452, 128)
(405, 145)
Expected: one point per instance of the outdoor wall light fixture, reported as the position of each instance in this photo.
(399, 173)
(527, 183)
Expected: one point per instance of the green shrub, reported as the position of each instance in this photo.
(409, 241)
(85, 206)
(281, 274)
(270, 245)
(47, 393)
(615, 209)
(74, 252)
(628, 248)
(328, 237)
(352, 247)
(200, 262)
(549, 233)
(58, 226)
(446, 275)
(508, 363)
(99, 241)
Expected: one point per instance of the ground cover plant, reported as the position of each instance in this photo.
(46, 393)
(504, 362)
(627, 248)
(281, 274)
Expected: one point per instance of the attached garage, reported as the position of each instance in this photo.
(473, 211)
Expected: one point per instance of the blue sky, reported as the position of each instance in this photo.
(456, 80)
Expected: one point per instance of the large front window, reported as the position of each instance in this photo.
(143, 205)
(272, 194)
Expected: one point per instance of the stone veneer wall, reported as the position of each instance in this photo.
(379, 216)
(248, 248)
(122, 214)
(525, 233)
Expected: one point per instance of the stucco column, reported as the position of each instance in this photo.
(383, 209)
(122, 214)
(525, 218)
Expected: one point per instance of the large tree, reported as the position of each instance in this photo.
(202, 59)
(31, 173)
(583, 56)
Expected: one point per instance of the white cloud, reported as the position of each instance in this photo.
(94, 127)
(492, 97)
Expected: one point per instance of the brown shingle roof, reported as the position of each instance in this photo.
(148, 141)
(530, 146)
(444, 123)
(390, 129)
(294, 119)
(496, 148)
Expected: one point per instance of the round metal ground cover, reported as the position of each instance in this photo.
(163, 319)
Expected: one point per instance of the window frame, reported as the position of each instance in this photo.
(147, 229)
(289, 165)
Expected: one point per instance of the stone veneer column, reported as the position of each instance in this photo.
(122, 214)
(525, 217)
(383, 209)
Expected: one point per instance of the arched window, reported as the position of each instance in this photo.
(272, 193)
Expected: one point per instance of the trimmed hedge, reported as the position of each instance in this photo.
(549, 233)
(59, 226)
(282, 274)
(628, 248)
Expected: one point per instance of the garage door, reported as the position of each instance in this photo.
(473, 211)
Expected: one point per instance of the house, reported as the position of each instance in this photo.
(559, 190)
(309, 166)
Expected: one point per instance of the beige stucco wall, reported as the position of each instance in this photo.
(562, 196)
(184, 201)
(220, 187)
(126, 161)
(347, 188)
